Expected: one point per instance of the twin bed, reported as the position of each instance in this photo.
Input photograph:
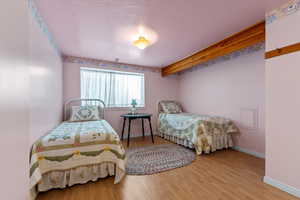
(201, 132)
(85, 147)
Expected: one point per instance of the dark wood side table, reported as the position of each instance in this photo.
(130, 117)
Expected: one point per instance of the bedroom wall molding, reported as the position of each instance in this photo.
(287, 9)
(231, 56)
(252, 153)
(287, 188)
(103, 63)
(42, 24)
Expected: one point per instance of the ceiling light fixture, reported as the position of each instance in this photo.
(141, 43)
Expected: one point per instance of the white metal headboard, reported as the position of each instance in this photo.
(78, 101)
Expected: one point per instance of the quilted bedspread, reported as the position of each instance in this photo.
(198, 129)
(76, 144)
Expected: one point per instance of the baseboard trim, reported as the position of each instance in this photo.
(289, 189)
(253, 153)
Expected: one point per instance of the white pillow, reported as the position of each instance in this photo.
(84, 113)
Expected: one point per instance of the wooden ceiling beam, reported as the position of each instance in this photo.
(240, 40)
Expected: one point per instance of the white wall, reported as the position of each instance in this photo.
(14, 99)
(234, 89)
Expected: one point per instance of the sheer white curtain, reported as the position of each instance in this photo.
(116, 89)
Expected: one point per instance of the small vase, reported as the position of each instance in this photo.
(133, 110)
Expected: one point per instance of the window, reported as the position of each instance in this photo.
(115, 88)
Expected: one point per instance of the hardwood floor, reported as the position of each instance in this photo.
(223, 175)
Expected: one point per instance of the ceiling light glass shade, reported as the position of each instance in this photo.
(141, 43)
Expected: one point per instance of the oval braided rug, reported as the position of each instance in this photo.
(157, 158)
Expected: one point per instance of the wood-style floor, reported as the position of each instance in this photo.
(223, 175)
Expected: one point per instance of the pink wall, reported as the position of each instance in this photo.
(45, 83)
(233, 89)
(14, 99)
(156, 88)
(277, 35)
(30, 93)
(283, 104)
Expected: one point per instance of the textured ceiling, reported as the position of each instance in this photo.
(104, 29)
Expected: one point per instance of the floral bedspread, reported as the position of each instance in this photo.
(198, 129)
(75, 144)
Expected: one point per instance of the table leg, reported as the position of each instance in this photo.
(143, 128)
(149, 119)
(124, 123)
(128, 132)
